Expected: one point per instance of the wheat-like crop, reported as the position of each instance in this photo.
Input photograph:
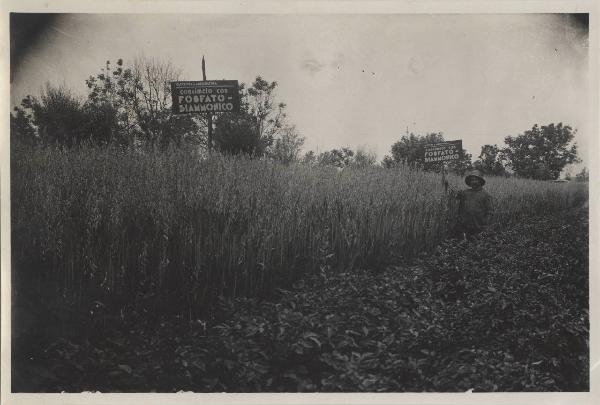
(173, 232)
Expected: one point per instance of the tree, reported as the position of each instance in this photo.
(342, 157)
(541, 152)
(286, 148)
(336, 157)
(410, 150)
(238, 133)
(261, 104)
(265, 120)
(21, 128)
(57, 117)
(309, 158)
(153, 106)
(490, 161)
(363, 158)
(111, 105)
(388, 162)
(133, 106)
(462, 165)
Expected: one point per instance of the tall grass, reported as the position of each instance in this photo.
(172, 232)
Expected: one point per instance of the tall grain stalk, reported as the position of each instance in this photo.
(170, 232)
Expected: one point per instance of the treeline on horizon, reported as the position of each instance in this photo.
(131, 107)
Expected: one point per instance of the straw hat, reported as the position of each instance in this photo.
(474, 173)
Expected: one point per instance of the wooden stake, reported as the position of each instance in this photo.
(209, 115)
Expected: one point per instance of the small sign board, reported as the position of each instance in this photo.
(442, 152)
(211, 96)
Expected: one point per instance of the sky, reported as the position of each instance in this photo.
(347, 80)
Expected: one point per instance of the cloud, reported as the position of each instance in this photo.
(312, 65)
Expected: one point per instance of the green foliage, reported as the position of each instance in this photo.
(363, 158)
(409, 150)
(541, 152)
(309, 158)
(342, 157)
(21, 128)
(260, 124)
(388, 162)
(132, 106)
(125, 106)
(491, 161)
(261, 104)
(287, 147)
(110, 105)
(238, 133)
(505, 312)
(57, 116)
(461, 166)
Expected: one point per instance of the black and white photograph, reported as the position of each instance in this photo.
(214, 201)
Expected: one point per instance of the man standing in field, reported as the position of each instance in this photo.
(475, 206)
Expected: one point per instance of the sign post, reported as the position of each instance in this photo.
(210, 128)
(209, 97)
(441, 153)
(444, 182)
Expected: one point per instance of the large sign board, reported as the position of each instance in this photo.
(443, 152)
(211, 96)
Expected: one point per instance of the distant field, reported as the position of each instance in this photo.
(169, 232)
